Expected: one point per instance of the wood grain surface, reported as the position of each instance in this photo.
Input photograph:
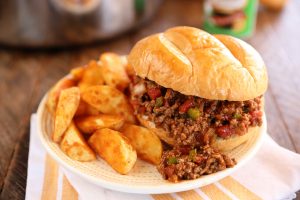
(26, 75)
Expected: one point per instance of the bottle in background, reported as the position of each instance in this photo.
(232, 17)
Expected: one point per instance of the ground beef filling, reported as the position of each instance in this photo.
(185, 163)
(190, 120)
(193, 122)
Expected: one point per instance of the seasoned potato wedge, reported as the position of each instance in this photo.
(145, 142)
(114, 148)
(86, 109)
(74, 145)
(77, 73)
(89, 124)
(109, 100)
(66, 107)
(113, 71)
(54, 93)
(92, 76)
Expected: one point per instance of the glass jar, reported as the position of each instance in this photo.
(232, 17)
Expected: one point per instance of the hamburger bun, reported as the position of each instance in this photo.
(196, 63)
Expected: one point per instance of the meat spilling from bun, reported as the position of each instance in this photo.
(191, 163)
(191, 120)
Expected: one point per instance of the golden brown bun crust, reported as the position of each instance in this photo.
(196, 63)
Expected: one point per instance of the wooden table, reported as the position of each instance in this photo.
(26, 75)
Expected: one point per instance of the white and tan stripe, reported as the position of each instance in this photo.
(57, 186)
(221, 187)
(59, 183)
(238, 189)
(68, 192)
(191, 195)
(162, 197)
(49, 191)
(213, 192)
(202, 194)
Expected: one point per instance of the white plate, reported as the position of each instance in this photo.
(143, 178)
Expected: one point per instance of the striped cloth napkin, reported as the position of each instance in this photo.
(274, 173)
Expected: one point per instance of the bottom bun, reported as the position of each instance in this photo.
(222, 145)
(236, 140)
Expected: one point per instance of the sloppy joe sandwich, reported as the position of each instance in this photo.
(195, 89)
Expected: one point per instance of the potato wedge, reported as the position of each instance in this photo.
(145, 142)
(114, 148)
(54, 93)
(85, 109)
(109, 100)
(77, 73)
(113, 71)
(66, 107)
(74, 145)
(89, 124)
(92, 76)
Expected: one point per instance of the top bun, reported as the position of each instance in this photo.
(193, 62)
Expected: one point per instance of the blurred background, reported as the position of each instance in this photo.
(60, 23)
(41, 40)
(52, 23)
